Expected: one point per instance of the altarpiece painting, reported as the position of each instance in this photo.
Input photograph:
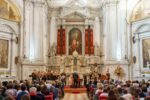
(75, 41)
(146, 52)
(4, 46)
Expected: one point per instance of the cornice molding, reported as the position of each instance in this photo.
(37, 2)
(108, 2)
(4, 28)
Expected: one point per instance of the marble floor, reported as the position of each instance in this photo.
(78, 96)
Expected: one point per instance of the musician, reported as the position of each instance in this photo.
(108, 75)
(63, 78)
(85, 79)
(70, 80)
(44, 76)
(75, 79)
(80, 80)
(34, 76)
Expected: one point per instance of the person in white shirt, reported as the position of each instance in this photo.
(105, 93)
(127, 96)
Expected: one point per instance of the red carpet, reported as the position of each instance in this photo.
(75, 90)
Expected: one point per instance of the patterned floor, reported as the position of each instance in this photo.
(78, 96)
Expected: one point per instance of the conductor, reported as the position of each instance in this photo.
(75, 79)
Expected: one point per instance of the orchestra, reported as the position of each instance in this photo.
(74, 80)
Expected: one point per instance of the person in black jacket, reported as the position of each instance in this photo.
(75, 79)
(39, 93)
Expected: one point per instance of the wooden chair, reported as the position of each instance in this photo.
(99, 93)
(32, 94)
(102, 97)
(49, 97)
(148, 97)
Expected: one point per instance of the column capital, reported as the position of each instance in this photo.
(107, 2)
(41, 2)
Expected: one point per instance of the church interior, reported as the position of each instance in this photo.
(76, 42)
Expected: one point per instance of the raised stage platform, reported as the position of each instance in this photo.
(75, 90)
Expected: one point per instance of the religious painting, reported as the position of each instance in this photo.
(4, 46)
(146, 53)
(75, 41)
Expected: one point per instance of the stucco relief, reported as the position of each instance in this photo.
(67, 11)
(9, 26)
(4, 29)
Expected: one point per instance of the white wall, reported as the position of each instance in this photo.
(141, 31)
(35, 36)
(9, 30)
(35, 31)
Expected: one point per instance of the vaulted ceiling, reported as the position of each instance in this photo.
(9, 11)
(141, 10)
(80, 3)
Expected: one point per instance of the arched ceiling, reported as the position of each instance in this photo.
(75, 9)
(9, 11)
(81, 3)
(141, 10)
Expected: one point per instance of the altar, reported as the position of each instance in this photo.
(74, 63)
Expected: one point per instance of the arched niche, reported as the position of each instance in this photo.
(143, 28)
(140, 49)
(9, 11)
(8, 49)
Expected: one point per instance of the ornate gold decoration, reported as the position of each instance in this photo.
(16, 59)
(140, 11)
(9, 11)
(119, 72)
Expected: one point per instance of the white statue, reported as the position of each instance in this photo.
(52, 50)
(148, 65)
(97, 50)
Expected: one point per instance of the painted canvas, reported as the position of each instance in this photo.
(146, 53)
(4, 46)
(75, 41)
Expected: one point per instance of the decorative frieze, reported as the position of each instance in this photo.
(106, 2)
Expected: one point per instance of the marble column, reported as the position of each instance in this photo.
(53, 31)
(34, 30)
(110, 22)
(97, 31)
(28, 30)
(97, 36)
(45, 34)
(122, 30)
(136, 52)
(38, 30)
